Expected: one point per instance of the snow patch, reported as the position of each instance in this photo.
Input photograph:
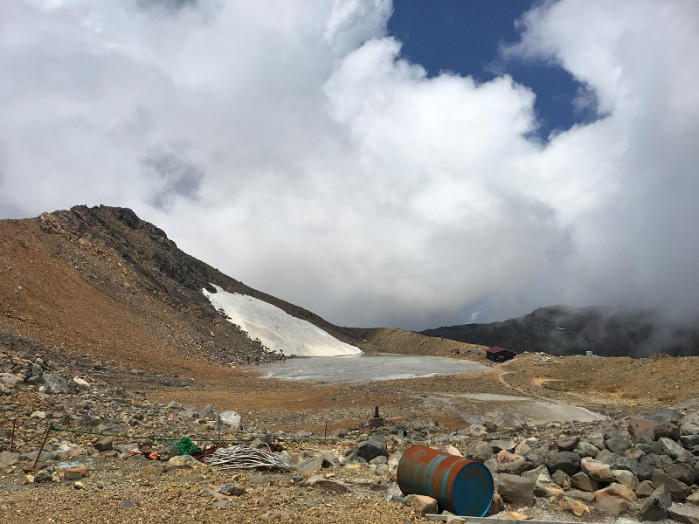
(276, 329)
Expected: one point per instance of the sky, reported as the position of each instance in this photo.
(407, 164)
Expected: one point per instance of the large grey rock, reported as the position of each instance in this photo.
(586, 449)
(566, 461)
(618, 445)
(644, 489)
(207, 413)
(516, 490)
(310, 465)
(56, 383)
(665, 415)
(671, 448)
(677, 488)
(104, 444)
(515, 468)
(561, 478)
(567, 442)
(625, 478)
(642, 427)
(690, 424)
(231, 419)
(668, 430)
(510, 420)
(584, 483)
(372, 448)
(684, 513)
(533, 474)
(45, 455)
(8, 458)
(481, 452)
(655, 506)
(681, 472)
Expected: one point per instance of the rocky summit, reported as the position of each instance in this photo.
(126, 397)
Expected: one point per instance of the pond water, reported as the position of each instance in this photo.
(365, 368)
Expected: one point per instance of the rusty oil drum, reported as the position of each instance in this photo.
(461, 486)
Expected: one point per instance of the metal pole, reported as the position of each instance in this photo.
(46, 437)
(325, 437)
(12, 439)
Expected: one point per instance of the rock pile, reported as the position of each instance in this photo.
(645, 468)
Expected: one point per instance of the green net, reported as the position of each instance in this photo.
(187, 447)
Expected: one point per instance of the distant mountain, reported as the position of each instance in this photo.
(560, 330)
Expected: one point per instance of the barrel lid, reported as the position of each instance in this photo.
(472, 492)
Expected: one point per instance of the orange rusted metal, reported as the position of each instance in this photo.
(462, 486)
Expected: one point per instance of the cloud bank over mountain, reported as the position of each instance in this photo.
(290, 145)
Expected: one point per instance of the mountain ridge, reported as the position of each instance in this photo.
(563, 330)
(99, 281)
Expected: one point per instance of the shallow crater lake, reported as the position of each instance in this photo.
(366, 368)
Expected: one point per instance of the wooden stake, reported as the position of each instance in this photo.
(12, 440)
(46, 437)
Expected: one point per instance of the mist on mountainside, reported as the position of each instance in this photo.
(560, 330)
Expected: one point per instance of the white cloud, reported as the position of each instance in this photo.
(324, 169)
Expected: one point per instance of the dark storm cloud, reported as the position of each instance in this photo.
(176, 175)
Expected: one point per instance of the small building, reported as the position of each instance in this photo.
(498, 354)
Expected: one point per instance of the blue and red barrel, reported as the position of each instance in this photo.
(462, 486)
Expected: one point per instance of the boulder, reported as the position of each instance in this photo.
(584, 483)
(56, 383)
(690, 424)
(561, 478)
(626, 478)
(642, 427)
(655, 506)
(104, 444)
(231, 419)
(481, 452)
(567, 443)
(682, 472)
(516, 490)
(207, 413)
(677, 488)
(510, 420)
(372, 448)
(598, 471)
(644, 489)
(566, 461)
(684, 513)
(422, 504)
(667, 430)
(618, 445)
(672, 449)
(586, 449)
(665, 415)
(617, 491)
